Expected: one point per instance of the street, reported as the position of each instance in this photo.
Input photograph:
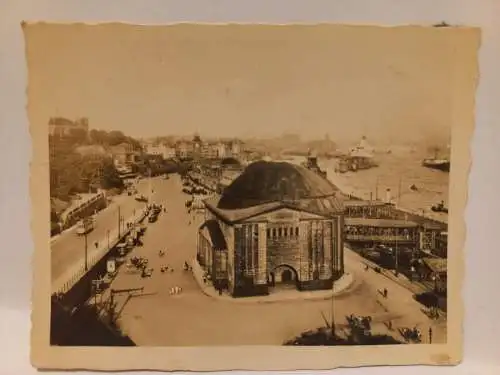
(69, 248)
(194, 319)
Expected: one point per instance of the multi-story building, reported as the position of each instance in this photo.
(184, 150)
(235, 147)
(163, 150)
(220, 150)
(125, 154)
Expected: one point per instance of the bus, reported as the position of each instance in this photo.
(84, 226)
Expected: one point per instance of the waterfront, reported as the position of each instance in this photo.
(397, 172)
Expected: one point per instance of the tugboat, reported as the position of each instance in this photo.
(441, 164)
(440, 207)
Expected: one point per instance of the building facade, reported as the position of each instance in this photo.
(184, 150)
(285, 232)
(163, 150)
(125, 154)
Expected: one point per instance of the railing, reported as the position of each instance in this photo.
(379, 238)
(67, 280)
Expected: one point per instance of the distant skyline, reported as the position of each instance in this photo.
(245, 81)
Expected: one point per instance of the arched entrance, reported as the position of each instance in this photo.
(283, 276)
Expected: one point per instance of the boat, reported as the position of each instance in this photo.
(442, 164)
(311, 163)
(358, 157)
(439, 164)
(440, 207)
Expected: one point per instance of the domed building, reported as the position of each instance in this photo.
(277, 225)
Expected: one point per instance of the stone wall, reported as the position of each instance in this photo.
(283, 246)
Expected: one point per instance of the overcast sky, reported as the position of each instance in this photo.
(244, 80)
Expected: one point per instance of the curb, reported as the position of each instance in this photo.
(210, 291)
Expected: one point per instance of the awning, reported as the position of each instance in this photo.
(212, 231)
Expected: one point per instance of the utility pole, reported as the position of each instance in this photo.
(150, 188)
(86, 251)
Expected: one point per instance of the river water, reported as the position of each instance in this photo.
(397, 172)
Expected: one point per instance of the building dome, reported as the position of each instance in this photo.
(265, 182)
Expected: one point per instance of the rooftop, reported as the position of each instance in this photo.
(266, 186)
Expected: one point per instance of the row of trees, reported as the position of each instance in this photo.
(72, 172)
(79, 137)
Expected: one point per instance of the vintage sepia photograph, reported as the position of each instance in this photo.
(248, 186)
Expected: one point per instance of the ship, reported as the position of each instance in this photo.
(311, 163)
(442, 164)
(358, 157)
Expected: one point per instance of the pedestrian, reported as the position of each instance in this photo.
(430, 335)
(96, 244)
(385, 292)
(220, 291)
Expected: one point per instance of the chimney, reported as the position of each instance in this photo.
(388, 197)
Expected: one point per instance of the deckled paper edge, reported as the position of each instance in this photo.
(467, 41)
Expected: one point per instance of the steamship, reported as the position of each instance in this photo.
(358, 157)
(442, 164)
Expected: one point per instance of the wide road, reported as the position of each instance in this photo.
(192, 318)
(69, 248)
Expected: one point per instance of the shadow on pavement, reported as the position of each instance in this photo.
(83, 328)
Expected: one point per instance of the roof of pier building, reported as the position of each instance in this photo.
(230, 161)
(268, 186)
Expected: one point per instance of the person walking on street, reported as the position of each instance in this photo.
(430, 335)
(385, 292)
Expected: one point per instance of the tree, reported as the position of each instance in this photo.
(116, 137)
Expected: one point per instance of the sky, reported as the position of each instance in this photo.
(244, 81)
